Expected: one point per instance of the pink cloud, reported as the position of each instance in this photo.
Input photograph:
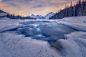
(26, 7)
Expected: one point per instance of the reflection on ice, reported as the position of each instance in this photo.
(38, 29)
(35, 25)
(39, 37)
(30, 28)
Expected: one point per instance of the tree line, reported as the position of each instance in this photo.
(79, 9)
(13, 16)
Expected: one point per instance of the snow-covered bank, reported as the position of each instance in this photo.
(78, 23)
(75, 44)
(6, 23)
(19, 46)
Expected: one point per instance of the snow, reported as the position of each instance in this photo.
(75, 44)
(37, 16)
(43, 17)
(6, 24)
(17, 45)
(78, 23)
(49, 15)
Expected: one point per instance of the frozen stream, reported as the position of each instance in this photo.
(49, 31)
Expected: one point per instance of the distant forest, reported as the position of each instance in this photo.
(79, 9)
(12, 16)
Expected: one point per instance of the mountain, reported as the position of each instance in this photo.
(1, 11)
(33, 16)
(37, 16)
(49, 15)
(42, 17)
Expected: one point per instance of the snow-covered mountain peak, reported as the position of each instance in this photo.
(32, 15)
(43, 17)
(49, 15)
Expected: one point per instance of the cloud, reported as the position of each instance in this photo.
(0, 0)
(28, 7)
(38, 6)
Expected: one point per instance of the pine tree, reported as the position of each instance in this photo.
(84, 8)
(79, 9)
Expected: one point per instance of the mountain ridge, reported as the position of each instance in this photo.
(42, 17)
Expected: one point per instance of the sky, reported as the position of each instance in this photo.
(28, 7)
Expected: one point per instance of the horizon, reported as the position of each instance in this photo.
(29, 7)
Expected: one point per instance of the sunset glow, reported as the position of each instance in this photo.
(28, 7)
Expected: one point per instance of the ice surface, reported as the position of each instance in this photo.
(48, 30)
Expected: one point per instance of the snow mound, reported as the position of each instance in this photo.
(76, 35)
(18, 46)
(74, 45)
(78, 23)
